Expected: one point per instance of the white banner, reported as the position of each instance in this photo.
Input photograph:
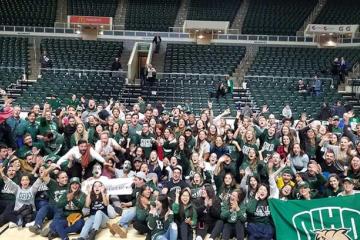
(325, 28)
(115, 186)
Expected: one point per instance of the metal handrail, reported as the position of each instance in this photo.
(80, 70)
(280, 77)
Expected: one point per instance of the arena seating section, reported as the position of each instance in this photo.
(28, 12)
(276, 17)
(340, 12)
(213, 10)
(100, 86)
(189, 58)
(276, 92)
(13, 53)
(151, 15)
(76, 54)
(175, 90)
(295, 61)
(104, 8)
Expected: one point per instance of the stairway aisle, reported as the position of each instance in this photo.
(182, 13)
(120, 16)
(240, 16)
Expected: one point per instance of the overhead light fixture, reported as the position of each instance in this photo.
(101, 32)
(77, 31)
(201, 36)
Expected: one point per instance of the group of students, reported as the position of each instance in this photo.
(191, 177)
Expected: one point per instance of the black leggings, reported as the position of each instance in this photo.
(217, 230)
(231, 229)
(141, 227)
(7, 212)
(214, 228)
(185, 231)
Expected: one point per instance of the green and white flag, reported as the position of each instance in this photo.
(336, 218)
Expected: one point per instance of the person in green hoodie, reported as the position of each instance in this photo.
(142, 209)
(268, 142)
(185, 214)
(233, 216)
(258, 215)
(72, 203)
(161, 220)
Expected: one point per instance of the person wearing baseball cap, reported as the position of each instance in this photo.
(348, 185)
(306, 192)
(72, 202)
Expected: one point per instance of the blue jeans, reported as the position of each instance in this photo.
(50, 211)
(170, 234)
(127, 217)
(61, 227)
(40, 203)
(96, 222)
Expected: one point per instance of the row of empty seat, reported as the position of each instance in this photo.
(276, 92)
(13, 53)
(276, 17)
(340, 12)
(215, 59)
(151, 15)
(28, 12)
(104, 8)
(100, 86)
(196, 90)
(81, 54)
(296, 61)
(213, 10)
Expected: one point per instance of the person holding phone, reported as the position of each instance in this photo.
(97, 201)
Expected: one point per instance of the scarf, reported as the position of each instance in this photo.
(85, 159)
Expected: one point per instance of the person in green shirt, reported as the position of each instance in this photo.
(161, 220)
(258, 215)
(73, 101)
(28, 147)
(146, 140)
(53, 143)
(56, 188)
(46, 123)
(184, 213)
(71, 202)
(268, 142)
(32, 127)
(142, 209)
(233, 216)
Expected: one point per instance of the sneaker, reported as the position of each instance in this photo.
(30, 224)
(92, 234)
(35, 229)
(109, 226)
(116, 229)
(12, 225)
(45, 232)
(52, 235)
(118, 210)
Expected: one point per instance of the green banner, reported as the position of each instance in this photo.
(336, 218)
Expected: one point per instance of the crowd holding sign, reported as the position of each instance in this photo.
(117, 186)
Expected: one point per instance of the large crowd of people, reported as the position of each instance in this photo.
(191, 176)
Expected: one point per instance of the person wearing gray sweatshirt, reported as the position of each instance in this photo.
(24, 198)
